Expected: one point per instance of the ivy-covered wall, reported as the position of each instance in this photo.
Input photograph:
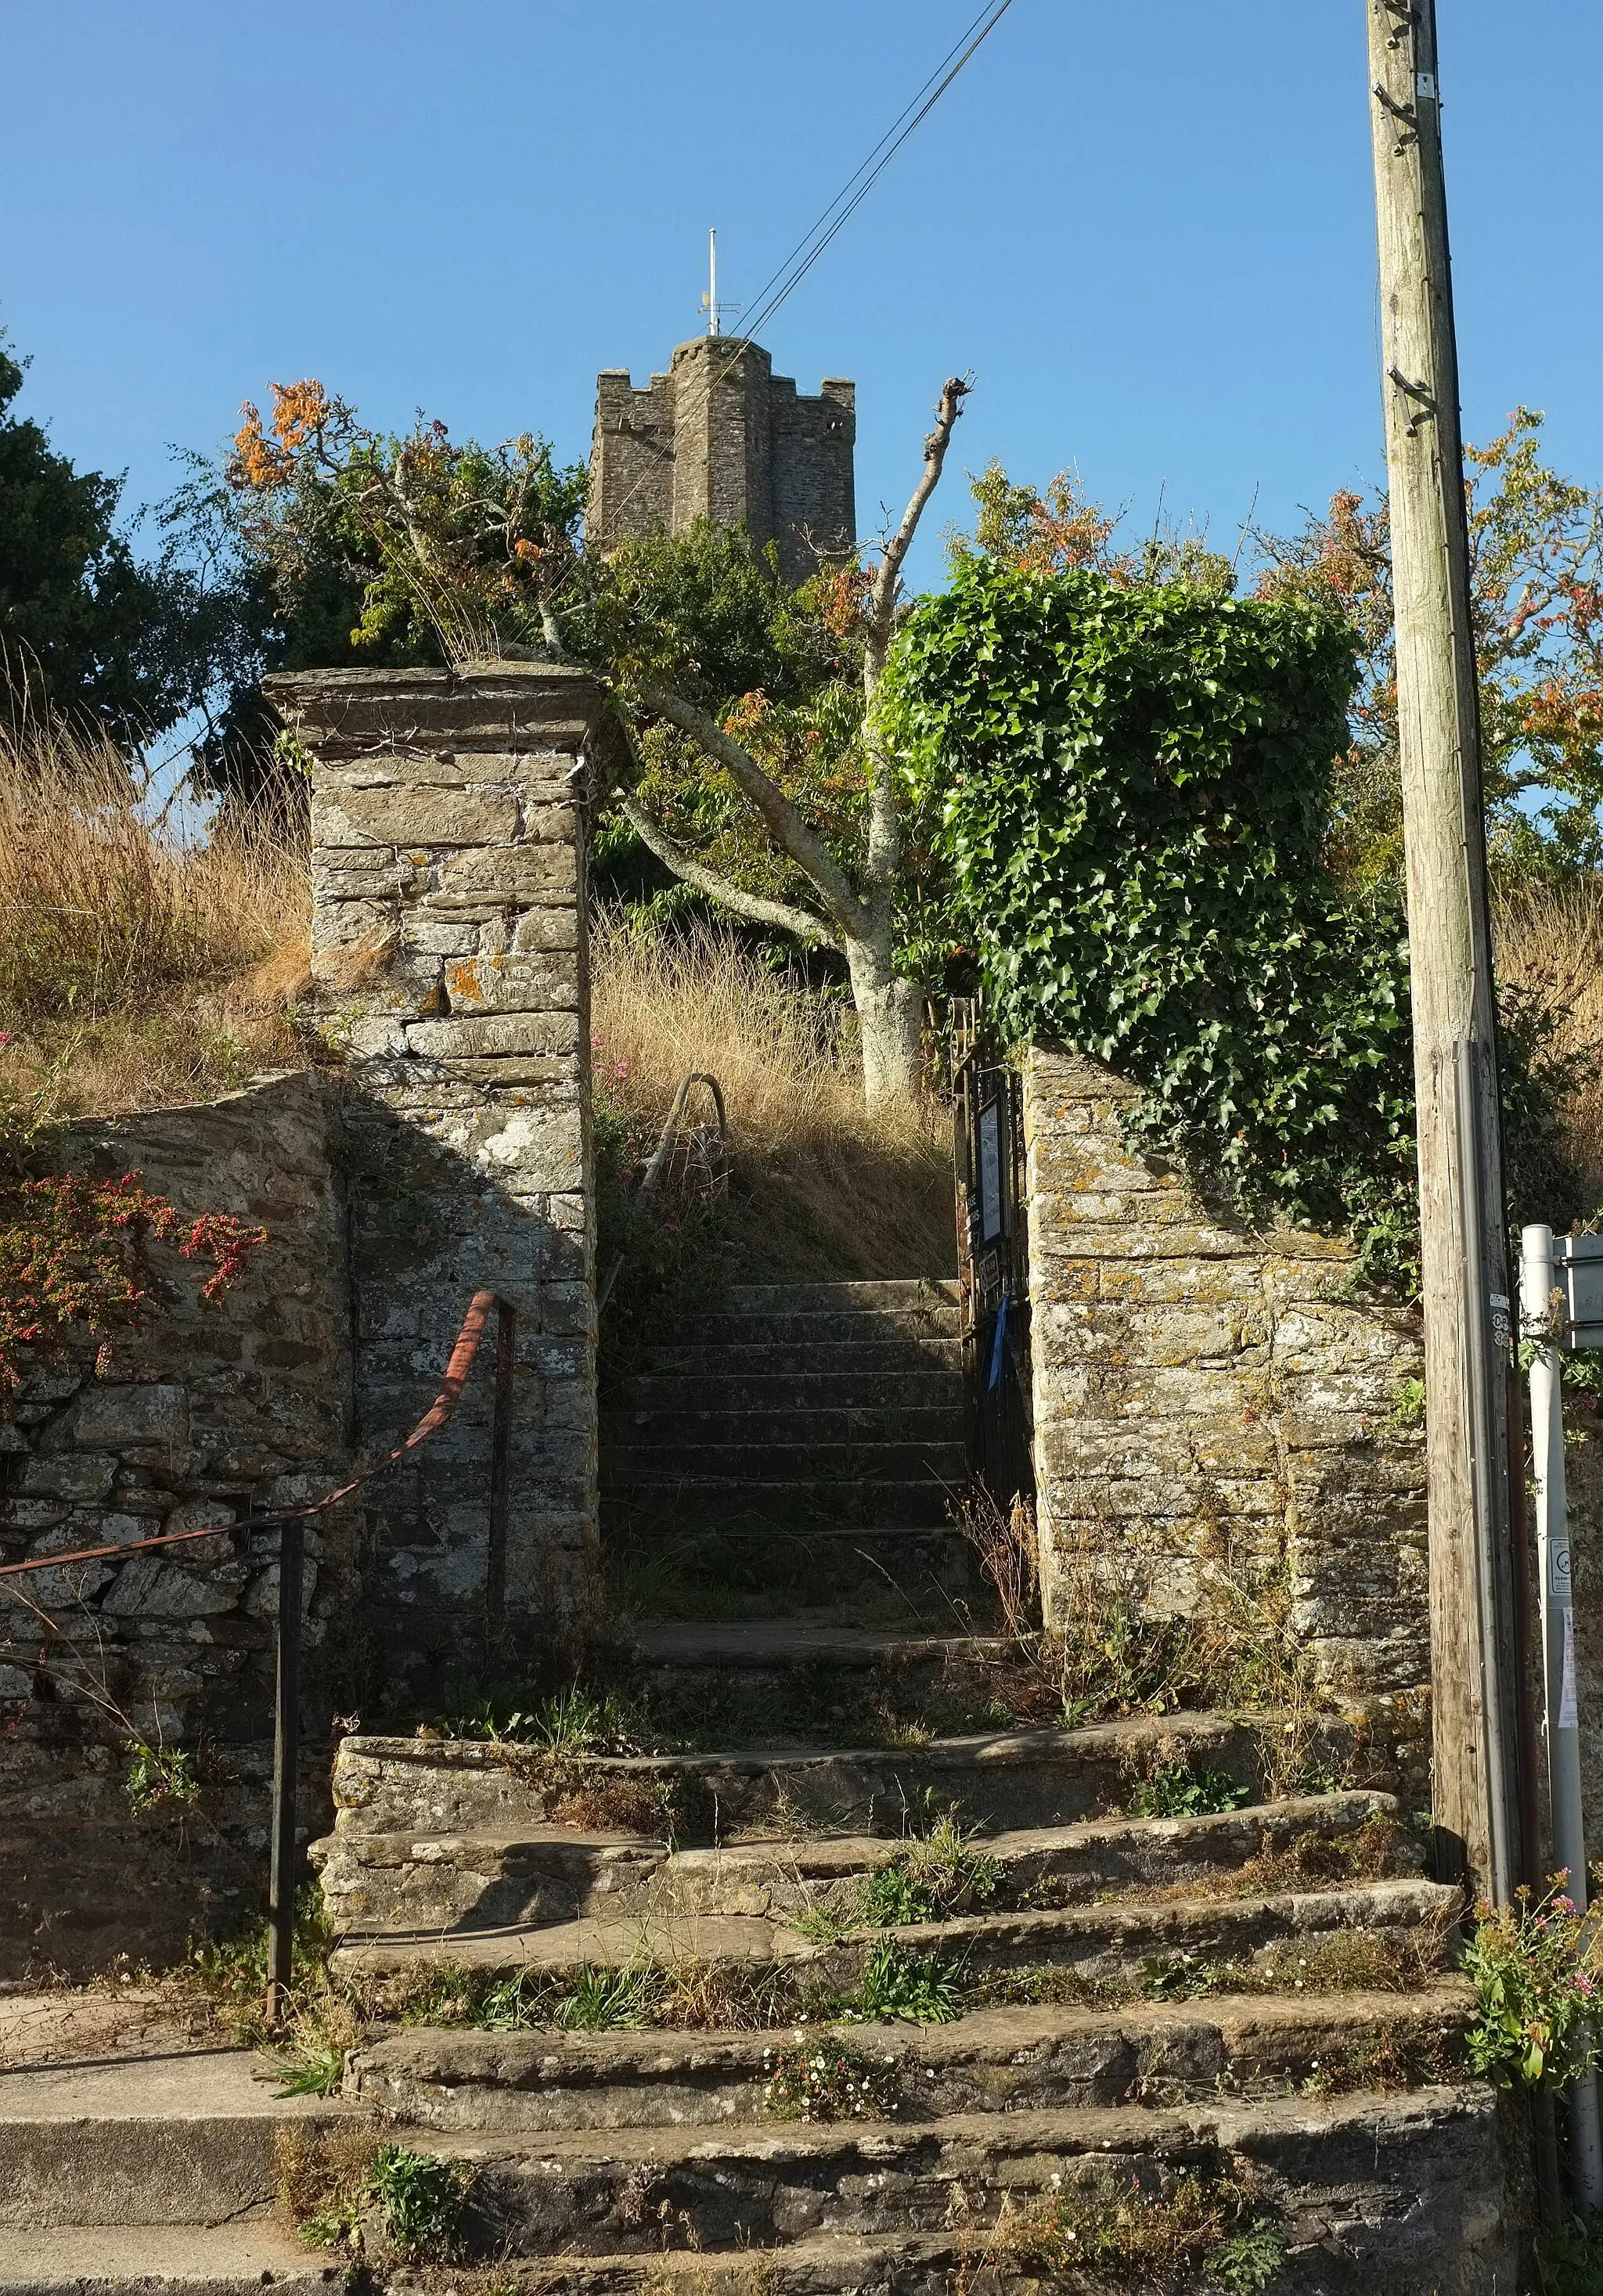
(1214, 1408)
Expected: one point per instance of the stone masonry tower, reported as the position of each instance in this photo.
(721, 436)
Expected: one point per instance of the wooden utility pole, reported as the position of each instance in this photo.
(1467, 1324)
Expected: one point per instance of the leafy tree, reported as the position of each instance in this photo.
(85, 627)
(1064, 532)
(411, 549)
(321, 545)
(762, 781)
(1536, 574)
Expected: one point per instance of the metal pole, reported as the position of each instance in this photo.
(286, 1756)
(1537, 1284)
(500, 1479)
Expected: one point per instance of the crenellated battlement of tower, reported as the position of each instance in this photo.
(720, 436)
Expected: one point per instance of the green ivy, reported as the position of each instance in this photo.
(1131, 789)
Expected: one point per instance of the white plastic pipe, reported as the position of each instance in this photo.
(1538, 1278)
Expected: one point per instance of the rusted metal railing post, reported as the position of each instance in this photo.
(500, 1479)
(286, 1758)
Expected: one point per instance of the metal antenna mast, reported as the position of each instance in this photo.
(710, 303)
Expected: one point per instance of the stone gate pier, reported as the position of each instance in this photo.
(449, 958)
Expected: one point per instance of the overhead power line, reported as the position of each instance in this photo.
(846, 202)
(783, 283)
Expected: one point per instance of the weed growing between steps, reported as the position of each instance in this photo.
(827, 2079)
(1188, 1789)
(1102, 2230)
(917, 1988)
(1406, 2054)
(933, 1877)
(1570, 2258)
(1313, 1860)
(229, 1976)
(560, 1747)
(1345, 1961)
(1113, 1649)
(343, 2189)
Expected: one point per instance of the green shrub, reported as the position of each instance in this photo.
(605, 2000)
(923, 1988)
(931, 1879)
(1188, 1789)
(421, 2202)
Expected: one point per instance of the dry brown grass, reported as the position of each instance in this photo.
(1550, 950)
(136, 972)
(819, 1189)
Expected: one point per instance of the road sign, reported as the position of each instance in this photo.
(1580, 1270)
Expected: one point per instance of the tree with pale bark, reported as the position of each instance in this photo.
(762, 779)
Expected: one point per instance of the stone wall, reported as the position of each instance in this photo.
(1208, 1400)
(213, 1414)
(440, 1146)
(720, 436)
(449, 962)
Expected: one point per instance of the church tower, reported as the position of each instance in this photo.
(721, 436)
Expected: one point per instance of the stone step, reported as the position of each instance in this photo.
(853, 1358)
(716, 1424)
(819, 1333)
(1384, 2192)
(909, 1572)
(805, 1463)
(816, 1676)
(1372, 2194)
(999, 1780)
(878, 1293)
(240, 2257)
(778, 1646)
(699, 1501)
(1152, 2054)
(181, 2138)
(799, 1390)
(1110, 1943)
(552, 1873)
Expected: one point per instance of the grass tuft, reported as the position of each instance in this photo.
(817, 1188)
(136, 971)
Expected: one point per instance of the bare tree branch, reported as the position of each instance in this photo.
(780, 817)
(685, 865)
(885, 815)
(884, 590)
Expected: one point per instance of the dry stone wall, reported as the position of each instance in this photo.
(211, 1416)
(449, 962)
(1211, 1402)
(438, 1144)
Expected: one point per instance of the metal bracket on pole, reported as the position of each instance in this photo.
(1540, 1291)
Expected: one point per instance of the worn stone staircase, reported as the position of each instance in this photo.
(797, 1451)
(845, 1986)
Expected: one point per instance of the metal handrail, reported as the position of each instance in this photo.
(661, 1156)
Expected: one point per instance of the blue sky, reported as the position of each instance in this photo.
(1147, 230)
